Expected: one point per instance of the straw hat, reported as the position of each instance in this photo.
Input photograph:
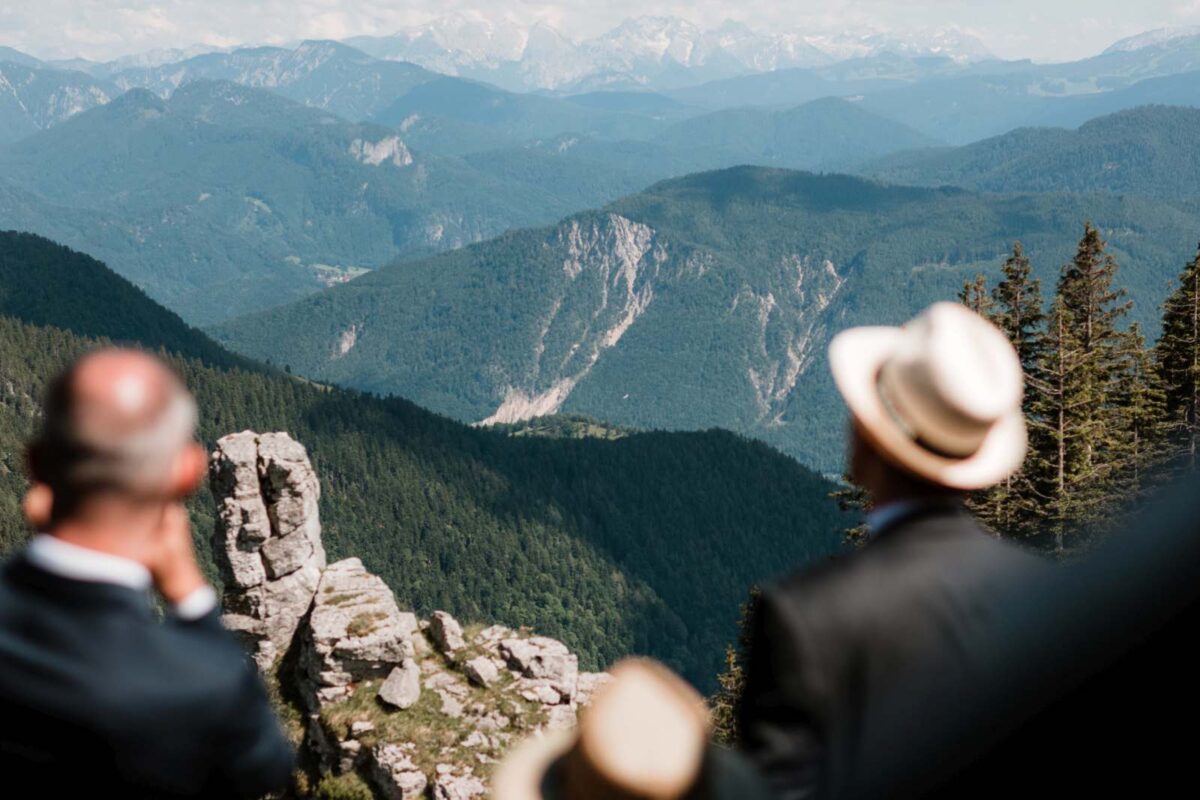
(645, 735)
(940, 396)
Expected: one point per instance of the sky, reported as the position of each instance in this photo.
(1045, 30)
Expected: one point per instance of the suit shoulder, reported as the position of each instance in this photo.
(204, 661)
(798, 594)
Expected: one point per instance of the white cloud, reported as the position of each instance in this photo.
(1188, 11)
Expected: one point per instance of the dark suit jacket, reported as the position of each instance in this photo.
(828, 643)
(98, 697)
(1093, 687)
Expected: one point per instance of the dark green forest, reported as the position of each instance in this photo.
(644, 543)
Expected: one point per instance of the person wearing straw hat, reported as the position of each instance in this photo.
(645, 736)
(935, 409)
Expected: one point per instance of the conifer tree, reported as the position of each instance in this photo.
(975, 296)
(1142, 399)
(1015, 306)
(1087, 289)
(853, 498)
(1079, 420)
(1010, 508)
(723, 704)
(1018, 310)
(1052, 434)
(1178, 357)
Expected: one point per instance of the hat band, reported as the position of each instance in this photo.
(572, 774)
(888, 402)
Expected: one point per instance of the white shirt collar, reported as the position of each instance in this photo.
(85, 564)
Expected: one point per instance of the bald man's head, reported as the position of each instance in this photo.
(115, 421)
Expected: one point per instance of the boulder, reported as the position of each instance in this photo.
(457, 783)
(543, 663)
(395, 776)
(355, 632)
(267, 537)
(402, 688)
(481, 671)
(446, 633)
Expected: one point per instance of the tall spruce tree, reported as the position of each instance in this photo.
(1079, 420)
(1052, 434)
(1178, 356)
(1018, 311)
(1011, 508)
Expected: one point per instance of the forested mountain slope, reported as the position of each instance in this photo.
(50, 284)
(704, 301)
(1151, 150)
(226, 199)
(644, 543)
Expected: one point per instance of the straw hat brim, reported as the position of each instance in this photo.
(520, 774)
(855, 357)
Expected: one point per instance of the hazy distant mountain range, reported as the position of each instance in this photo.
(942, 83)
(659, 52)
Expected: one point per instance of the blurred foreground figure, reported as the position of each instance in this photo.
(98, 696)
(645, 736)
(1089, 686)
(936, 412)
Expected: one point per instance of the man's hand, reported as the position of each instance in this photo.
(172, 562)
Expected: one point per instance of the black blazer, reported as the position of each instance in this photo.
(99, 697)
(829, 642)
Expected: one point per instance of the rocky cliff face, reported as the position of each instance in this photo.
(414, 708)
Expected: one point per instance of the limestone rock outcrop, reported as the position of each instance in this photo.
(395, 775)
(267, 538)
(355, 632)
(369, 675)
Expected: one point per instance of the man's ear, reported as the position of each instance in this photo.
(188, 470)
(38, 506)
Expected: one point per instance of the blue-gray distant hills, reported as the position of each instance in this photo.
(1152, 151)
(963, 102)
(703, 301)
